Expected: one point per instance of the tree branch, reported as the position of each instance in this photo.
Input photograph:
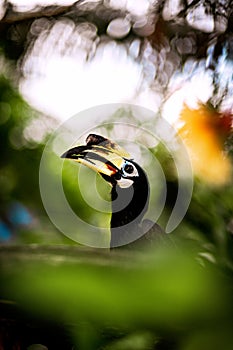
(12, 16)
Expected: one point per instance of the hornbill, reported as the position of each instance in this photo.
(130, 189)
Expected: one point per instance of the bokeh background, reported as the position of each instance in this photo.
(59, 59)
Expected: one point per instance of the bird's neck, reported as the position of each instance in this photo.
(129, 205)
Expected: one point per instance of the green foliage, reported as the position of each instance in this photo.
(19, 161)
(141, 296)
(19, 167)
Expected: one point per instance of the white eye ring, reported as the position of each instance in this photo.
(129, 170)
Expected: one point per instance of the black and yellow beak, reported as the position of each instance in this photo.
(100, 154)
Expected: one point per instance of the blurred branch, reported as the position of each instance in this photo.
(12, 16)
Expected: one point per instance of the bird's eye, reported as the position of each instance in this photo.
(129, 169)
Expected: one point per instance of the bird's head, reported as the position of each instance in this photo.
(108, 159)
(130, 188)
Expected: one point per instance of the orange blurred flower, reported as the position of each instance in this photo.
(204, 131)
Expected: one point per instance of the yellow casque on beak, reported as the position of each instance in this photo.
(100, 154)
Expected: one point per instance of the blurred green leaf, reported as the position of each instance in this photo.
(168, 289)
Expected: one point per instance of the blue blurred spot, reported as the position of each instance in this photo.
(19, 215)
(5, 233)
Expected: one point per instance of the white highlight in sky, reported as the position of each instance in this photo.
(28, 5)
(190, 89)
(67, 85)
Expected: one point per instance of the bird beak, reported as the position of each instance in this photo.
(100, 154)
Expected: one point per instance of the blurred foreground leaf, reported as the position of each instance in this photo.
(164, 292)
